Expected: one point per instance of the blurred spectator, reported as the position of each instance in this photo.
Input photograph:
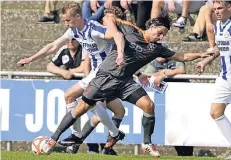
(199, 27)
(50, 13)
(89, 7)
(186, 7)
(205, 21)
(162, 68)
(70, 58)
(180, 7)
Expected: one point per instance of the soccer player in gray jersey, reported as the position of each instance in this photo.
(112, 80)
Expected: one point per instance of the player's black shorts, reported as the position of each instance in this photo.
(105, 86)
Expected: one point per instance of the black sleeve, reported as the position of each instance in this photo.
(57, 59)
(164, 52)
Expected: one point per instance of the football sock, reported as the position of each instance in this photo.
(76, 127)
(148, 123)
(88, 128)
(104, 118)
(225, 127)
(117, 122)
(66, 122)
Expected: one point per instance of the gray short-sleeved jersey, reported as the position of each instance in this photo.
(137, 52)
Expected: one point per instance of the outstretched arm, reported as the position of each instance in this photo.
(201, 65)
(45, 51)
(188, 56)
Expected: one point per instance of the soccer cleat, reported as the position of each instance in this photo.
(71, 140)
(181, 22)
(48, 146)
(114, 140)
(151, 149)
(109, 151)
(72, 149)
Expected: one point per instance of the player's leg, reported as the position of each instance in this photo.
(117, 108)
(135, 94)
(67, 121)
(71, 96)
(217, 113)
(221, 98)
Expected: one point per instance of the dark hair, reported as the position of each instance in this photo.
(159, 21)
(116, 11)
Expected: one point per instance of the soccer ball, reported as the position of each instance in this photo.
(38, 145)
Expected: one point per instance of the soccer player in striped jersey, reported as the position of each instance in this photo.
(222, 97)
(96, 41)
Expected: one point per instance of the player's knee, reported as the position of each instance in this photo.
(149, 107)
(95, 120)
(69, 96)
(119, 113)
(81, 108)
(215, 115)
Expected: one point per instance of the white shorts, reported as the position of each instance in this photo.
(85, 81)
(194, 7)
(222, 91)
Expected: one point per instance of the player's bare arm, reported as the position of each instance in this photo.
(201, 65)
(50, 48)
(113, 33)
(188, 56)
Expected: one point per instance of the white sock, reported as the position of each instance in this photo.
(225, 127)
(103, 116)
(76, 127)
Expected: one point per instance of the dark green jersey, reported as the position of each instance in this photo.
(138, 52)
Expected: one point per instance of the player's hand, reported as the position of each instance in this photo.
(120, 60)
(68, 75)
(108, 3)
(206, 54)
(144, 80)
(157, 80)
(24, 61)
(200, 67)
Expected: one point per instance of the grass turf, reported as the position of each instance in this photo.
(80, 156)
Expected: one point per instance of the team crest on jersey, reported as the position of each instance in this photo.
(65, 59)
(227, 34)
(151, 47)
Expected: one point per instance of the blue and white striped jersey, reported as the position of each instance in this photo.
(223, 42)
(91, 37)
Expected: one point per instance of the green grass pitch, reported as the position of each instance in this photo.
(80, 156)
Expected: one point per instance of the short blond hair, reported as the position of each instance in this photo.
(72, 8)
